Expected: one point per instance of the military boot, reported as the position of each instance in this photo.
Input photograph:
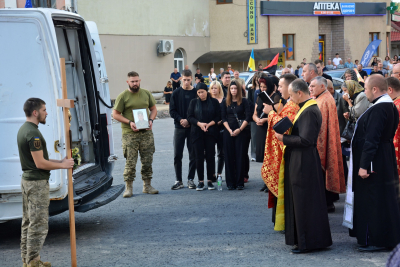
(39, 263)
(147, 188)
(128, 189)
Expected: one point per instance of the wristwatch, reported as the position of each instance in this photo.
(151, 120)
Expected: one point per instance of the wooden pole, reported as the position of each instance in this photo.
(67, 104)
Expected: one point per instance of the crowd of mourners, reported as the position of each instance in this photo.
(315, 143)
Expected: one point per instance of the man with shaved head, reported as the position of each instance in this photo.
(329, 145)
(372, 204)
(285, 71)
(394, 93)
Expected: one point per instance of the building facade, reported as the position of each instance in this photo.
(131, 32)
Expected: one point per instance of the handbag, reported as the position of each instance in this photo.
(240, 122)
(348, 131)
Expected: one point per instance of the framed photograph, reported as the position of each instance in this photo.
(141, 119)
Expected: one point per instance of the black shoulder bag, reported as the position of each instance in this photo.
(348, 131)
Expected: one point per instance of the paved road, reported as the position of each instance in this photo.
(181, 228)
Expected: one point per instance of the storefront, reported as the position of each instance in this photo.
(319, 30)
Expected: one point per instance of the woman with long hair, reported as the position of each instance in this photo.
(236, 115)
(167, 92)
(395, 59)
(204, 113)
(217, 93)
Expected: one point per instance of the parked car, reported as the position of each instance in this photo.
(340, 72)
(31, 45)
(337, 83)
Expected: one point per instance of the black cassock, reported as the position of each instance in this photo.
(376, 219)
(306, 215)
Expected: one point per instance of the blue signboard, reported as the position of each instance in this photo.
(348, 8)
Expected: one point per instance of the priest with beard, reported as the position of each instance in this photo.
(329, 145)
(372, 208)
(301, 204)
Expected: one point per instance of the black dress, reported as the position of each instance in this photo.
(234, 146)
(306, 216)
(167, 96)
(376, 219)
(261, 132)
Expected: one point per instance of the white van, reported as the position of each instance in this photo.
(31, 43)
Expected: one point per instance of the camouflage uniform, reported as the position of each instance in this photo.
(35, 192)
(35, 217)
(142, 142)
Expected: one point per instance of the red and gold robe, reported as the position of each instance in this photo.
(329, 146)
(396, 139)
(273, 150)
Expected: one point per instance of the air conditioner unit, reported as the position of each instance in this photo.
(166, 46)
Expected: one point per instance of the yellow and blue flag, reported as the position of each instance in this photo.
(252, 64)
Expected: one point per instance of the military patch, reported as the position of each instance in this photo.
(36, 143)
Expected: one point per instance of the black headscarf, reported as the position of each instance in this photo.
(198, 112)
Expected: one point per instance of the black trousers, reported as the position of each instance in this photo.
(179, 144)
(220, 150)
(205, 147)
(175, 85)
(246, 144)
(233, 150)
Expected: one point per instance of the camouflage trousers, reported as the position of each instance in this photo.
(35, 217)
(142, 142)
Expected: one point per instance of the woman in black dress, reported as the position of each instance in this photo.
(266, 85)
(168, 92)
(217, 93)
(204, 113)
(236, 114)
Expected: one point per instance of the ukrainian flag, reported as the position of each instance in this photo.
(252, 64)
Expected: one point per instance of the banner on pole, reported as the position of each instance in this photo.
(369, 52)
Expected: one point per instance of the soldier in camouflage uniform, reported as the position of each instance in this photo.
(136, 140)
(36, 168)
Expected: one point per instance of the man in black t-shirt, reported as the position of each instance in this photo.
(376, 70)
(362, 72)
(198, 74)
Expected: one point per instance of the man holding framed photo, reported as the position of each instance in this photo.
(135, 137)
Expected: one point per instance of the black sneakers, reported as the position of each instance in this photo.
(177, 185)
(210, 186)
(200, 186)
(191, 184)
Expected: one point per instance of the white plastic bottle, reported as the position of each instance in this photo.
(219, 183)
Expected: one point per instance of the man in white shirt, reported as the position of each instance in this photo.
(336, 60)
